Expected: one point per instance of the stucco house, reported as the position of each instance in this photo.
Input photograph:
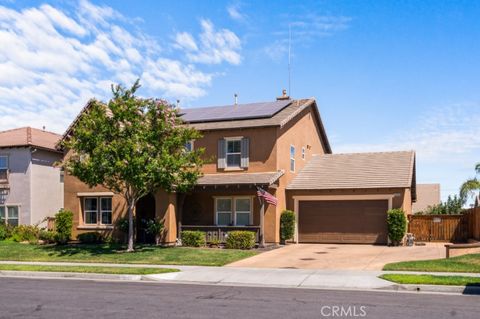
(282, 147)
(31, 186)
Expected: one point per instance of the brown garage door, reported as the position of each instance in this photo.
(356, 221)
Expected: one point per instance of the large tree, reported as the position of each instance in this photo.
(133, 146)
(470, 187)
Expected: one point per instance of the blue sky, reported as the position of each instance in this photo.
(387, 75)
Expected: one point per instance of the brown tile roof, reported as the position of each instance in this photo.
(27, 136)
(427, 195)
(266, 178)
(357, 170)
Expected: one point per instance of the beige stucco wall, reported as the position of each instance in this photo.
(46, 186)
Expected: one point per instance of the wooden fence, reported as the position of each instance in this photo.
(448, 228)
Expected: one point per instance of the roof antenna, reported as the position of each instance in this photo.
(178, 103)
(289, 58)
(236, 98)
(44, 128)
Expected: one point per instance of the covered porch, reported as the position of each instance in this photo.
(221, 203)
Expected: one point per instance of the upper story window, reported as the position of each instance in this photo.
(3, 167)
(292, 158)
(233, 152)
(97, 211)
(189, 146)
(303, 153)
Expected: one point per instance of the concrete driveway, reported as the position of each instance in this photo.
(332, 256)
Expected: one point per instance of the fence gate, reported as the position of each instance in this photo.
(450, 228)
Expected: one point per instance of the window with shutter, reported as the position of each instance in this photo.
(245, 152)
(221, 153)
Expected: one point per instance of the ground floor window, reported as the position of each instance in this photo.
(233, 211)
(97, 211)
(9, 215)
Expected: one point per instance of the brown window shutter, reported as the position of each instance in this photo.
(221, 162)
(245, 152)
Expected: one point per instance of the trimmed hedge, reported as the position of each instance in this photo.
(90, 238)
(63, 226)
(287, 225)
(397, 225)
(5, 231)
(193, 238)
(23, 233)
(240, 239)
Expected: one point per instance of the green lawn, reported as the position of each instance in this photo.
(117, 254)
(465, 263)
(432, 280)
(90, 269)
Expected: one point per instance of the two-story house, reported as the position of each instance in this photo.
(31, 186)
(281, 147)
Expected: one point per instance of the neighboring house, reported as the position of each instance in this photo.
(280, 146)
(31, 186)
(427, 195)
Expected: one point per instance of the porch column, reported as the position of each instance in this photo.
(262, 223)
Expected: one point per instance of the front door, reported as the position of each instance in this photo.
(145, 210)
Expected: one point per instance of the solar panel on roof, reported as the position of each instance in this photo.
(233, 112)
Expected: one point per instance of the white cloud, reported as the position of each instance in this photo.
(53, 60)
(235, 13)
(212, 47)
(305, 29)
(446, 141)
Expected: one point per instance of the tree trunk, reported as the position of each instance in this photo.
(131, 206)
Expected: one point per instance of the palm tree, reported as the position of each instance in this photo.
(469, 187)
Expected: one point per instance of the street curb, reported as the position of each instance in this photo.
(466, 290)
(71, 275)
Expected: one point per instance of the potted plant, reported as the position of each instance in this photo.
(154, 227)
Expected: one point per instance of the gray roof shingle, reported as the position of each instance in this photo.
(357, 170)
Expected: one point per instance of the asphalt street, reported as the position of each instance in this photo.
(60, 298)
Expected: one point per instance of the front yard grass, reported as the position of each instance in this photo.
(465, 263)
(89, 269)
(106, 253)
(432, 280)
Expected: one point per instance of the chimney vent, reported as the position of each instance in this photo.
(284, 96)
(236, 98)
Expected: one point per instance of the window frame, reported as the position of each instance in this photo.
(98, 212)
(303, 152)
(292, 158)
(233, 212)
(233, 139)
(192, 145)
(6, 168)
(7, 217)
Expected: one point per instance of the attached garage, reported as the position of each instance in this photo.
(352, 221)
(344, 198)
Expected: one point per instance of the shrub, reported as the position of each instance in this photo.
(397, 225)
(122, 224)
(63, 226)
(5, 231)
(23, 233)
(453, 205)
(193, 238)
(287, 225)
(90, 238)
(47, 236)
(154, 227)
(240, 239)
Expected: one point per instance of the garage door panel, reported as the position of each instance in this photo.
(343, 221)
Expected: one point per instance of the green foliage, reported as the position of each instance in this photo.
(468, 189)
(193, 238)
(453, 205)
(47, 236)
(122, 225)
(24, 233)
(63, 226)
(287, 225)
(133, 146)
(240, 239)
(154, 226)
(90, 238)
(397, 225)
(5, 231)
